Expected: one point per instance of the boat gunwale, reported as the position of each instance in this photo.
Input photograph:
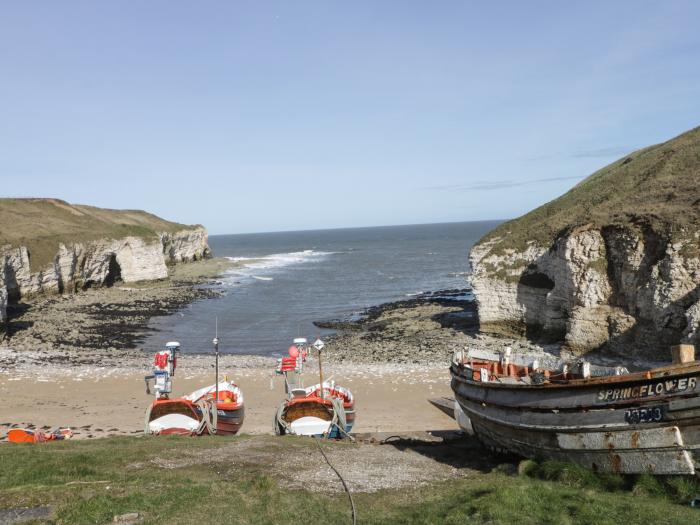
(647, 375)
(325, 401)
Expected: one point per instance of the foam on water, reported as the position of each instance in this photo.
(259, 268)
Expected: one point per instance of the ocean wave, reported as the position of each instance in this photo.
(258, 267)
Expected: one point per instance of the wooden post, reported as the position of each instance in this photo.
(683, 353)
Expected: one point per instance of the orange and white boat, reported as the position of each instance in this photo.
(311, 411)
(324, 409)
(216, 409)
(230, 409)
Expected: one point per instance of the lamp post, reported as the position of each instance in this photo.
(318, 345)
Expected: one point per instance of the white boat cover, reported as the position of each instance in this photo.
(173, 421)
(309, 426)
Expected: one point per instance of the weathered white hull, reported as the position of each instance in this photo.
(604, 424)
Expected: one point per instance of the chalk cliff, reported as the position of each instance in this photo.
(613, 265)
(49, 246)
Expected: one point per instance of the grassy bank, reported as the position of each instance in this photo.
(181, 480)
(655, 187)
(42, 224)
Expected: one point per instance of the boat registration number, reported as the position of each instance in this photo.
(634, 416)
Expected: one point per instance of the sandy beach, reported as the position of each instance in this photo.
(389, 399)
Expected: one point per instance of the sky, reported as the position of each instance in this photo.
(291, 115)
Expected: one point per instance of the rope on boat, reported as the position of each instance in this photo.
(210, 417)
(147, 427)
(345, 485)
(280, 426)
(339, 418)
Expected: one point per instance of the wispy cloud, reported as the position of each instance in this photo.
(489, 185)
(602, 153)
(615, 151)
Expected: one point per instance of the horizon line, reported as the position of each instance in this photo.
(357, 227)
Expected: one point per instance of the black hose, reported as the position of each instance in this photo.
(345, 485)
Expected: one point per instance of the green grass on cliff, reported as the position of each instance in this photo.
(185, 480)
(656, 187)
(42, 224)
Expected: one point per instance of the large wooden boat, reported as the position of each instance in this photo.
(607, 419)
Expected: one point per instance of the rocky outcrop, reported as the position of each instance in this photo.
(98, 263)
(614, 264)
(185, 245)
(613, 287)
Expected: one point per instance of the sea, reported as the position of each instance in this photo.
(284, 281)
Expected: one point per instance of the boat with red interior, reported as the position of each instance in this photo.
(217, 409)
(324, 409)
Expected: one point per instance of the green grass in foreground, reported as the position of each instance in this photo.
(216, 491)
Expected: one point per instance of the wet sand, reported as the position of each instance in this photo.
(388, 399)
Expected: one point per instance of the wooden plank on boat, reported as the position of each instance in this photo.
(684, 404)
(444, 404)
(658, 461)
(626, 439)
(662, 461)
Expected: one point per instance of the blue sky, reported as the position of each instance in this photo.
(264, 116)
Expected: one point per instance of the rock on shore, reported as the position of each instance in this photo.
(613, 265)
(100, 324)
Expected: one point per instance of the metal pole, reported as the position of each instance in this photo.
(216, 359)
(320, 372)
(216, 353)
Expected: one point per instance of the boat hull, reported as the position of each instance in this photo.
(229, 422)
(628, 424)
(162, 408)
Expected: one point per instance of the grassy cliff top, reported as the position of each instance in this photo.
(42, 224)
(658, 186)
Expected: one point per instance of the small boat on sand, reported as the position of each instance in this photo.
(312, 412)
(324, 409)
(216, 409)
(605, 418)
(230, 409)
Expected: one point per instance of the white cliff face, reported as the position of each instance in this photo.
(610, 287)
(98, 263)
(495, 283)
(185, 245)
